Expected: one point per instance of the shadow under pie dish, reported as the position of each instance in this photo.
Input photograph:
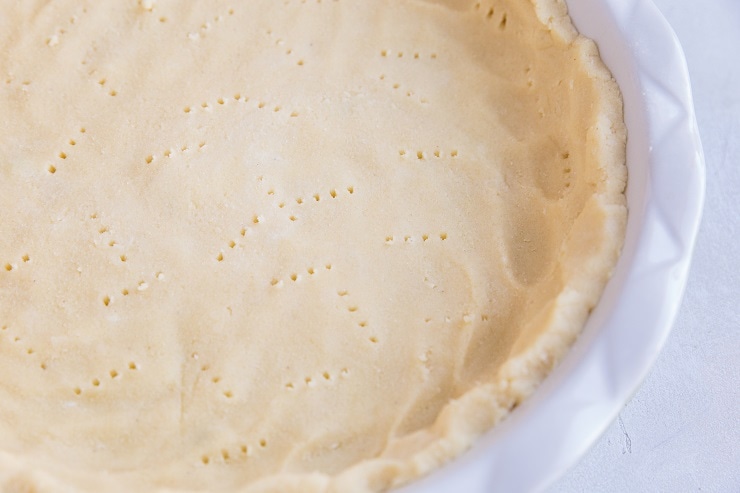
(293, 246)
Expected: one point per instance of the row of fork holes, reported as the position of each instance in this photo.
(140, 286)
(53, 40)
(466, 318)
(257, 219)
(10, 267)
(295, 277)
(409, 92)
(351, 308)
(52, 168)
(400, 54)
(103, 230)
(412, 239)
(17, 340)
(132, 366)
(316, 198)
(333, 193)
(205, 26)
(168, 153)
(281, 42)
(424, 155)
(325, 376)
(490, 14)
(227, 455)
(102, 83)
(355, 310)
(239, 98)
(216, 380)
(113, 374)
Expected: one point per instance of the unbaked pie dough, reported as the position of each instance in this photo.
(290, 245)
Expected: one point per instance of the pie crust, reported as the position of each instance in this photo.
(293, 246)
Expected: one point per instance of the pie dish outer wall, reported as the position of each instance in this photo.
(550, 432)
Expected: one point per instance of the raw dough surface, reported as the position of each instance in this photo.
(310, 246)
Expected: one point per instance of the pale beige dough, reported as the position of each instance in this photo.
(306, 246)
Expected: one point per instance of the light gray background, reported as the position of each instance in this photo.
(681, 431)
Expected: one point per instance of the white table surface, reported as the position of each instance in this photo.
(681, 430)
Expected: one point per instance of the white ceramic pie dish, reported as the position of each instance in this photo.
(550, 431)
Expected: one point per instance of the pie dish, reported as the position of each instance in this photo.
(309, 247)
(582, 396)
